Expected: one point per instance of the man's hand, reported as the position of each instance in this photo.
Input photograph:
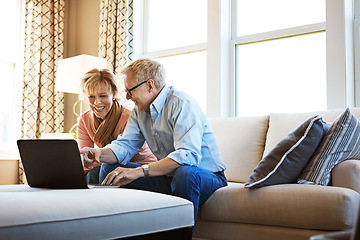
(122, 176)
(90, 157)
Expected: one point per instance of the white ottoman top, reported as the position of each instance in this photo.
(88, 213)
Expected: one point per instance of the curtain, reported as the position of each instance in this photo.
(116, 33)
(42, 106)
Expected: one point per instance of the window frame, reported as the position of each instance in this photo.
(266, 36)
(340, 54)
(140, 31)
(221, 41)
(357, 51)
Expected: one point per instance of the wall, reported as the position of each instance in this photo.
(9, 171)
(81, 37)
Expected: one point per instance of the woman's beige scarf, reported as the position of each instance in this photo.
(104, 128)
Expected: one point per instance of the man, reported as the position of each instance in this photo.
(177, 132)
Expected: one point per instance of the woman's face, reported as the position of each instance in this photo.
(100, 101)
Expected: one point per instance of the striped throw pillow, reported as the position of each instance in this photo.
(340, 143)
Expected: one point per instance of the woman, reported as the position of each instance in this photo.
(106, 118)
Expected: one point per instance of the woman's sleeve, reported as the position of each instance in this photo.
(83, 137)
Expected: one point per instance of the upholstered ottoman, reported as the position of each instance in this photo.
(98, 213)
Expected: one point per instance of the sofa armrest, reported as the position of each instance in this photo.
(347, 174)
(341, 235)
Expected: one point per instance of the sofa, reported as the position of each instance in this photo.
(273, 207)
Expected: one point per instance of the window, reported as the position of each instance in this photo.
(280, 56)
(187, 72)
(173, 24)
(292, 76)
(10, 94)
(175, 33)
(260, 16)
(259, 56)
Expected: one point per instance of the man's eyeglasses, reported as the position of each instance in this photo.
(131, 89)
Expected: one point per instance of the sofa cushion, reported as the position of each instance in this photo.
(289, 205)
(286, 160)
(341, 142)
(241, 143)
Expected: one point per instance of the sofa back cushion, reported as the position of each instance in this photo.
(281, 124)
(241, 143)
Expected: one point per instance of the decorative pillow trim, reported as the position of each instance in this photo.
(342, 142)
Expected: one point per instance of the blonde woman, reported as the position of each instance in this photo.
(105, 120)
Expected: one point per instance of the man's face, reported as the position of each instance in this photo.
(141, 95)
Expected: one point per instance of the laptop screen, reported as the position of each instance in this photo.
(52, 163)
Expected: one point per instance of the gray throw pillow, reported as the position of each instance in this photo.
(340, 143)
(287, 159)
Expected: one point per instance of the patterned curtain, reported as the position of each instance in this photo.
(42, 106)
(116, 33)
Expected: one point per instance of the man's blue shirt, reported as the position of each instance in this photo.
(174, 128)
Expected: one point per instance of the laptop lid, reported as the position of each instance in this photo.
(52, 163)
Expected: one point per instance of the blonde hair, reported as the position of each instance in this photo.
(93, 78)
(144, 69)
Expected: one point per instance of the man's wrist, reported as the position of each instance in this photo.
(145, 169)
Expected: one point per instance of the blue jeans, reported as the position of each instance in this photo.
(92, 177)
(192, 183)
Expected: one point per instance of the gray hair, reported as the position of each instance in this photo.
(144, 69)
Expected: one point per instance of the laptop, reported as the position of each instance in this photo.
(53, 163)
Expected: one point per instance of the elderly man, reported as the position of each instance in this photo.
(189, 163)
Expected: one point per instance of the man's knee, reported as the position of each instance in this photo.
(185, 176)
(185, 172)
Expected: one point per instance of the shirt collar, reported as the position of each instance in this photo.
(160, 100)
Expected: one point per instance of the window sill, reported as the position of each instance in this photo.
(9, 155)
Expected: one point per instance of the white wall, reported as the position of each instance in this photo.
(81, 37)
